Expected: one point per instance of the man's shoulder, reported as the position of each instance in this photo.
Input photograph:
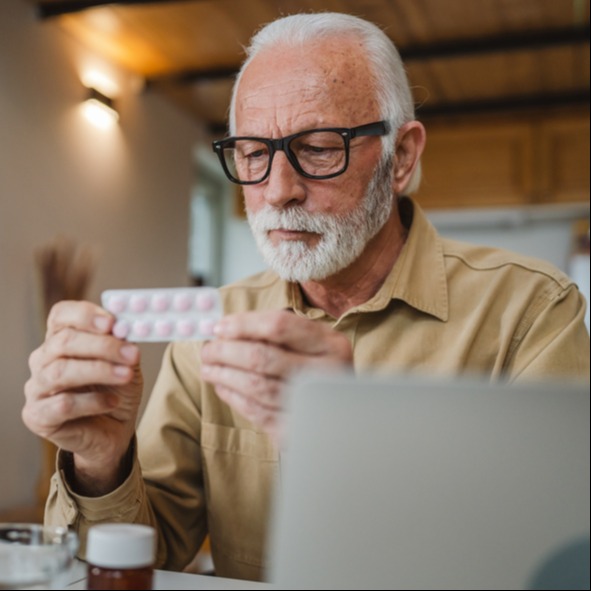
(489, 259)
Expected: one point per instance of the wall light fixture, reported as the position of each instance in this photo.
(100, 109)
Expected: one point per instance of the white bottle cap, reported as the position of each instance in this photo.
(121, 545)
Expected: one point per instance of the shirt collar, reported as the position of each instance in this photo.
(418, 277)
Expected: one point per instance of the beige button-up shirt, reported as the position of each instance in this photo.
(446, 308)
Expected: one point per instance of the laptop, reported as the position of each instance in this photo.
(414, 484)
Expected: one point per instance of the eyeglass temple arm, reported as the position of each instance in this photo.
(379, 128)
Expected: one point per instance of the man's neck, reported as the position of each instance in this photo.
(360, 281)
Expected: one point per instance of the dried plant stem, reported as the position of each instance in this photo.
(64, 272)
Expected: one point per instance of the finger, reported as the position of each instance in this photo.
(49, 414)
(81, 315)
(262, 390)
(282, 328)
(69, 374)
(265, 359)
(256, 356)
(70, 342)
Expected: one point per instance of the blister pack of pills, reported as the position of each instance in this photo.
(174, 314)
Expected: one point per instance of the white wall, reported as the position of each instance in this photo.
(125, 192)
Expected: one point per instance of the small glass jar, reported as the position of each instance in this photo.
(120, 556)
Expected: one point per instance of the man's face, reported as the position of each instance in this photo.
(285, 91)
(343, 236)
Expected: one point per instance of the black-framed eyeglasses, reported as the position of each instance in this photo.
(316, 153)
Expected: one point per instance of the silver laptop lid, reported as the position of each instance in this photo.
(397, 483)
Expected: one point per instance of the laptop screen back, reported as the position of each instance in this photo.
(394, 483)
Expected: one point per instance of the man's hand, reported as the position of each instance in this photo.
(256, 353)
(84, 393)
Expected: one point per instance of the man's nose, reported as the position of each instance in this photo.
(283, 184)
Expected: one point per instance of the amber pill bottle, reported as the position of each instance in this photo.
(120, 556)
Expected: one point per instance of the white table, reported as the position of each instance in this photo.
(174, 580)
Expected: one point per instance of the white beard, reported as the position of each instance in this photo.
(343, 237)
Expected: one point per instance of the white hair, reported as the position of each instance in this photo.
(393, 91)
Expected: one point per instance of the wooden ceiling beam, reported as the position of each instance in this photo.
(191, 76)
(521, 41)
(62, 7)
(507, 103)
(444, 50)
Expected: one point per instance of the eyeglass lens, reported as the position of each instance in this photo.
(318, 153)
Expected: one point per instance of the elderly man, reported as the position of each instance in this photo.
(325, 144)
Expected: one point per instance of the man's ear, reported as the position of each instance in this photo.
(410, 143)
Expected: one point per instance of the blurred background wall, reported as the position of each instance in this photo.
(123, 191)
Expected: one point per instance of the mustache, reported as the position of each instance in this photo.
(293, 219)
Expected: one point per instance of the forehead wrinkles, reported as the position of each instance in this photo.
(326, 81)
(273, 93)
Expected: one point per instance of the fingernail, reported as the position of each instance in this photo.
(128, 352)
(102, 323)
(121, 371)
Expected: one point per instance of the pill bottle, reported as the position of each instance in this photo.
(120, 556)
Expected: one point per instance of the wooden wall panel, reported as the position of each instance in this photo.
(511, 161)
(564, 160)
(472, 166)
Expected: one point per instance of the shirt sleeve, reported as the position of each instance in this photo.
(127, 503)
(167, 491)
(552, 340)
